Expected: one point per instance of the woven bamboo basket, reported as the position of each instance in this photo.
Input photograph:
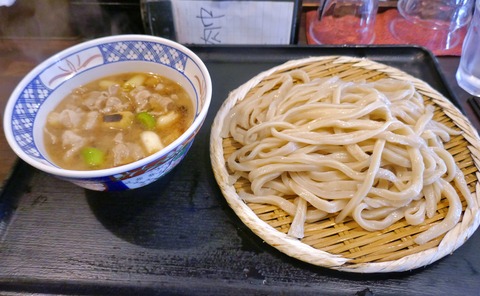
(346, 246)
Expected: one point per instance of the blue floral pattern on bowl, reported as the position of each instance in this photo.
(42, 86)
(54, 76)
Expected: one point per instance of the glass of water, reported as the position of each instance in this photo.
(468, 73)
(344, 22)
(436, 23)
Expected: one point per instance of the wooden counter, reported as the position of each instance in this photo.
(17, 58)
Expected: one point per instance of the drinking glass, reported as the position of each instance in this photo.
(468, 73)
(344, 22)
(436, 23)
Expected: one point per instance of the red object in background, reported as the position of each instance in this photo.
(416, 34)
(344, 30)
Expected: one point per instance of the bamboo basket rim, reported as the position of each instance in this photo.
(307, 253)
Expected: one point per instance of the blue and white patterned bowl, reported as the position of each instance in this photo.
(46, 85)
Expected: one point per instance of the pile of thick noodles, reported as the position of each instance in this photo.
(370, 151)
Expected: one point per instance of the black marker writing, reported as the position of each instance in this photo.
(211, 28)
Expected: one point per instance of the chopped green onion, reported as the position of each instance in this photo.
(93, 156)
(151, 141)
(134, 81)
(147, 120)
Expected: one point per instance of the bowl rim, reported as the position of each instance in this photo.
(94, 174)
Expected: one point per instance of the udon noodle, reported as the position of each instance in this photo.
(366, 150)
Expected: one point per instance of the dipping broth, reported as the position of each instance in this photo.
(116, 120)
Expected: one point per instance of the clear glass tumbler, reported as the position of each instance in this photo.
(436, 23)
(344, 22)
(468, 73)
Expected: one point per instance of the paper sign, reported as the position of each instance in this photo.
(233, 22)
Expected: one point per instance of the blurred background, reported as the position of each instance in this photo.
(70, 18)
(94, 18)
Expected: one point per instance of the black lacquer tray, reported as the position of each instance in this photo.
(178, 236)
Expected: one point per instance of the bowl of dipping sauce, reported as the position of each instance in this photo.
(112, 113)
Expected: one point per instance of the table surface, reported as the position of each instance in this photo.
(17, 58)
